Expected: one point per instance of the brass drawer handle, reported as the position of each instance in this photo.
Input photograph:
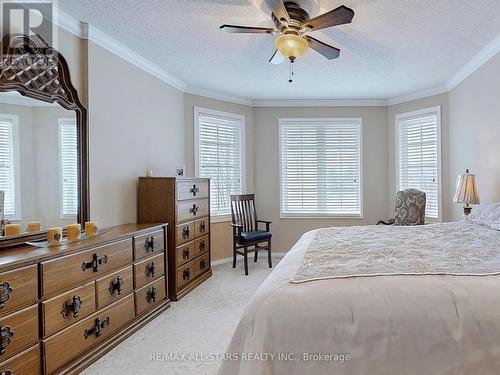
(194, 209)
(202, 227)
(202, 245)
(185, 232)
(152, 294)
(97, 330)
(150, 244)
(203, 264)
(185, 274)
(5, 291)
(185, 253)
(95, 263)
(195, 189)
(116, 286)
(72, 307)
(151, 269)
(5, 335)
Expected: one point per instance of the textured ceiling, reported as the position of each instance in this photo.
(392, 47)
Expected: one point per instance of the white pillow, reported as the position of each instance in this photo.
(487, 215)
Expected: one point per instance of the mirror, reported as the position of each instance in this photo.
(38, 162)
(43, 141)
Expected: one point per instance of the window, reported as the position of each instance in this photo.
(219, 154)
(320, 167)
(9, 166)
(68, 164)
(419, 155)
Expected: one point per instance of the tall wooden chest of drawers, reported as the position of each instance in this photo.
(183, 203)
(63, 307)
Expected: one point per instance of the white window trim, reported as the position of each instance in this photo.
(408, 115)
(60, 122)
(201, 110)
(17, 169)
(300, 121)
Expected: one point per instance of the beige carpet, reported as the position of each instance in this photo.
(200, 324)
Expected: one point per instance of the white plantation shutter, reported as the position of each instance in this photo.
(68, 159)
(220, 156)
(320, 167)
(9, 178)
(418, 156)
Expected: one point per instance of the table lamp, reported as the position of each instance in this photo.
(466, 192)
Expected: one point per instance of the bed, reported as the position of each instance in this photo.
(378, 300)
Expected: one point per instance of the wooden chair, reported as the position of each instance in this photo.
(246, 232)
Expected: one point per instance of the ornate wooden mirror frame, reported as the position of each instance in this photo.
(34, 69)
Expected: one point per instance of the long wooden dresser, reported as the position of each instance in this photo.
(63, 307)
(183, 203)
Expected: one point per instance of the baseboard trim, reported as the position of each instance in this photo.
(274, 254)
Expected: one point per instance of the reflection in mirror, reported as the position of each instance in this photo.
(38, 162)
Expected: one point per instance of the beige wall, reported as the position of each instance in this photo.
(266, 124)
(392, 111)
(475, 131)
(136, 123)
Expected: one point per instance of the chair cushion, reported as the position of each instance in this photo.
(258, 235)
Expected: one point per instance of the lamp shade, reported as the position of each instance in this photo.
(466, 190)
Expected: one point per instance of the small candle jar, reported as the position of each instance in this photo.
(33, 226)
(12, 229)
(91, 228)
(54, 235)
(73, 231)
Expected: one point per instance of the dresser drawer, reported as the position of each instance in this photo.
(191, 210)
(113, 287)
(17, 288)
(148, 244)
(25, 363)
(201, 245)
(64, 346)
(184, 253)
(201, 227)
(62, 311)
(185, 274)
(67, 271)
(192, 189)
(201, 264)
(185, 233)
(150, 295)
(19, 331)
(149, 270)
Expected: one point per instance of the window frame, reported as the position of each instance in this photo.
(16, 155)
(60, 122)
(302, 121)
(414, 114)
(233, 116)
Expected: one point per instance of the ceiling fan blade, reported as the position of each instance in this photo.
(247, 29)
(277, 58)
(279, 9)
(326, 50)
(338, 16)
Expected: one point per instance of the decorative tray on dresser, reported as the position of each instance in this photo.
(63, 307)
(183, 203)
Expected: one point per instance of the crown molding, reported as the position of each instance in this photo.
(95, 35)
(320, 103)
(219, 96)
(417, 95)
(477, 61)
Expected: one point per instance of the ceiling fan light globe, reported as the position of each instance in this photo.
(291, 45)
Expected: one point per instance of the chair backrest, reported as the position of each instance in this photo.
(410, 207)
(243, 211)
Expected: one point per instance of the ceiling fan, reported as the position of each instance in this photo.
(292, 24)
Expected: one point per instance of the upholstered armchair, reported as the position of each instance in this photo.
(410, 208)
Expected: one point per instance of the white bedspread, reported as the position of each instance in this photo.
(399, 324)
